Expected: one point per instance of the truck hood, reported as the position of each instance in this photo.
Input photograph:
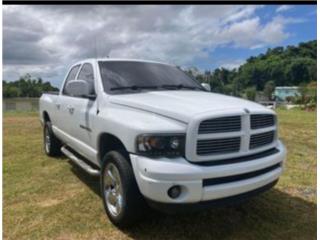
(183, 105)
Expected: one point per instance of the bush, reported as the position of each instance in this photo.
(251, 93)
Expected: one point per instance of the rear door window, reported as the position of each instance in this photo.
(86, 74)
(71, 76)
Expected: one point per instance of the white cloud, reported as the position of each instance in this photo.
(284, 8)
(232, 64)
(54, 37)
(251, 33)
(273, 32)
(242, 33)
(243, 13)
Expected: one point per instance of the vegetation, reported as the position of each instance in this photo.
(251, 93)
(26, 86)
(47, 198)
(290, 66)
(308, 96)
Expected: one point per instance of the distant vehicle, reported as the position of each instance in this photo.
(154, 135)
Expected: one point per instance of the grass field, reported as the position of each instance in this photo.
(47, 198)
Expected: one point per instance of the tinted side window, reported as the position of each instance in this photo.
(71, 76)
(86, 74)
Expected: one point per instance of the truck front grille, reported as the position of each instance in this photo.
(231, 136)
(218, 146)
(219, 125)
(262, 120)
(261, 139)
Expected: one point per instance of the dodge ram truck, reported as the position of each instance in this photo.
(157, 137)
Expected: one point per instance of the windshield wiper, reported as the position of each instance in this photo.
(166, 86)
(133, 87)
(179, 86)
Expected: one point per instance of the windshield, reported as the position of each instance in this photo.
(128, 76)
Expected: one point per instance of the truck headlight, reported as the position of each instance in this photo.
(161, 145)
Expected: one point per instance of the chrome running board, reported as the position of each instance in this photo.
(90, 170)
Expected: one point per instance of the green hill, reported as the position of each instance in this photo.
(26, 86)
(289, 66)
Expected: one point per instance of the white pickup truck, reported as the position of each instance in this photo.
(157, 137)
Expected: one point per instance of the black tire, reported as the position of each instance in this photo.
(53, 148)
(133, 202)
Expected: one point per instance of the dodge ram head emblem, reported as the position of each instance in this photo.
(246, 110)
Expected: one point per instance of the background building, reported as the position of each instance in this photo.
(281, 93)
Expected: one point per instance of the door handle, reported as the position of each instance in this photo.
(58, 105)
(71, 109)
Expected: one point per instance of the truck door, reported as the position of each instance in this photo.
(84, 111)
(65, 110)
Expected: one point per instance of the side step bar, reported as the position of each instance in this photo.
(90, 170)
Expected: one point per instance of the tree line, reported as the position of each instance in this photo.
(26, 86)
(280, 66)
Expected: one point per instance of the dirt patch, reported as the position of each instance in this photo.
(55, 200)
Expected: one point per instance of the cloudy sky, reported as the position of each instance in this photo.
(45, 40)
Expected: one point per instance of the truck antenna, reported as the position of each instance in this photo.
(95, 47)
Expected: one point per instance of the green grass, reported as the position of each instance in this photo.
(48, 198)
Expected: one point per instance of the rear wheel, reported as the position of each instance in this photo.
(122, 199)
(52, 145)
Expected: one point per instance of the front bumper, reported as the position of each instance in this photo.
(156, 176)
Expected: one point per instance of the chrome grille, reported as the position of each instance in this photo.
(261, 139)
(218, 146)
(230, 136)
(261, 121)
(219, 125)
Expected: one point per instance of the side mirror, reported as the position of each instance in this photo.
(78, 88)
(206, 86)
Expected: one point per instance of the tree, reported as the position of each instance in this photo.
(269, 89)
(251, 93)
(10, 91)
(298, 71)
(279, 66)
(26, 86)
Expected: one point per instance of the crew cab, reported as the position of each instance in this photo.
(157, 137)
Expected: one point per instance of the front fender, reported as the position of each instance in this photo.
(127, 123)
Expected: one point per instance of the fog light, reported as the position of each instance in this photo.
(174, 192)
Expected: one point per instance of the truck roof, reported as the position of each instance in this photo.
(120, 60)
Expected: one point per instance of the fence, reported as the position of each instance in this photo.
(269, 104)
(20, 104)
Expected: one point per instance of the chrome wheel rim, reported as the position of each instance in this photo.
(47, 140)
(113, 192)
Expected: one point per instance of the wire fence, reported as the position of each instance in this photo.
(20, 104)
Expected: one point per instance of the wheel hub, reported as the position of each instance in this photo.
(47, 140)
(113, 189)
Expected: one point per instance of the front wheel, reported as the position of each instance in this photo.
(52, 145)
(122, 199)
